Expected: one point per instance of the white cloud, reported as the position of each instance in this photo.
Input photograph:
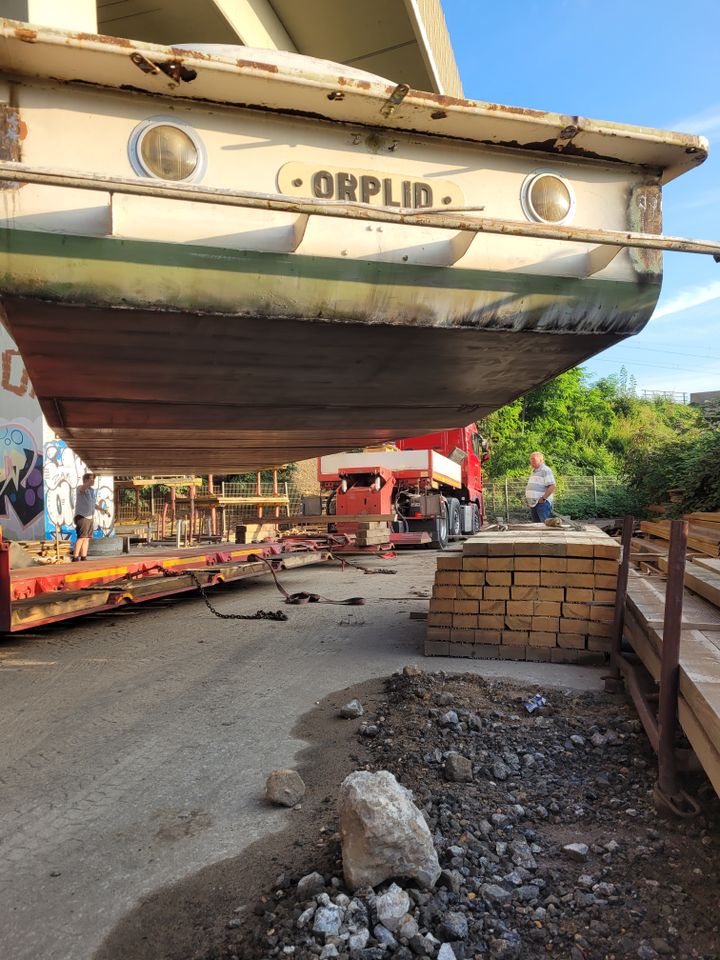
(693, 297)
(706, 122)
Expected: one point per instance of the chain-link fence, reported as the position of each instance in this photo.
(577, 497)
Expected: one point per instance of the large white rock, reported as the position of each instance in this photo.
(383, 833)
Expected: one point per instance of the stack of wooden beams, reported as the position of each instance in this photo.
(371, 533)
(699, 699)
(703, 532)
(529, 593)
(46, 548)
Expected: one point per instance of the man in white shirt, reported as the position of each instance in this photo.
(540, 488)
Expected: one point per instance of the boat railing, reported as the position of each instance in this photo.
(465, 221)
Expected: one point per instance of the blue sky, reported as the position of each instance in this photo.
(655, 65)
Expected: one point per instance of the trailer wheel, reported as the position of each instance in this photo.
(439, 532)
(454, 518)
(475, 518)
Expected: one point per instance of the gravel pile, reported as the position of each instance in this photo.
(547, 836)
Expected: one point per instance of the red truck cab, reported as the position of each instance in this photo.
(463, 444)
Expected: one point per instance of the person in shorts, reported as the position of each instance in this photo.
(85, 507)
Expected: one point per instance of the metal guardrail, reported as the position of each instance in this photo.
(445, 219)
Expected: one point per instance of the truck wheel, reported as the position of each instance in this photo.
(454, 518)
(475, 518)
(439, 532)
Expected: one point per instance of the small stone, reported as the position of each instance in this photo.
(392, 906)
(576, 851)
(328, 951)
(577, 740)
(446, 952)
(454, 926)
(310, 885)
(505, 948)
(500, 770)
(458, 769)
(412, 670)
(371, 730)
(449, 719)
(352, 710)
(285, 788)
(494, 893)
(522, 855)
(646, 952)
(327, 920)
(598, 740)
(612, 846)
(233, 924)
(452, 879)
(358, 941)
(384, 936)
(528, 892)
(408, 927)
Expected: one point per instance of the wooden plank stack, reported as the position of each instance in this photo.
(703, 532)
(371, 533)
(528, 593)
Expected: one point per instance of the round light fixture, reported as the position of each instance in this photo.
(167, 150)
(547, 198)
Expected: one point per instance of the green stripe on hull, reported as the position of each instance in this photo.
(181, 277)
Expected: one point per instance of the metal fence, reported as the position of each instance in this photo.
(575, 496)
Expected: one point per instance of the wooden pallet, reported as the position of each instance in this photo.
(701, 538)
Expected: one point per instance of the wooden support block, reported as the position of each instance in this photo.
(596, 629)
(558, 579)
(464, 621)
(610, 550)
(605, 582)
(496, 593)
(513, 622)
(443, 592)
(545, 624)
(603, 614)
(512, 651)
(586, 580)
(486, 651)
(473, 564)
(492, 607)
(524, 593)
(547, 608)
(450, 563)
(500, 548)
(462, 648)
(501, 578)
(605, 595)
(541, 638)
(526, 548)
(490, 621)
(500, 563)
(518, 608)
(576, 611)
(554, 564)
(551, 593)
(465, 592)
(441, 605)
(472, 578)
(579, 594)
(579, 549)
(438, 633)
(461, 635)
(466, 606)
(579, 565)
(488, 636)
(447, 577)
(573, 641)
(522, 578)
(527, 564)
(514, 638)
(439, 619)
(606, 566)
(573, 626)
(537, 654)
(549, 548)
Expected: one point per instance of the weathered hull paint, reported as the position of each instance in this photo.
(266, 358)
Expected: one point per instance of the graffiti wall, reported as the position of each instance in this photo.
(21, 464)
(62, 475)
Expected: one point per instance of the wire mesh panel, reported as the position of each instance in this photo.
(582, 497)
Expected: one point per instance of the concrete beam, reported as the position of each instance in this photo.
(80, 15)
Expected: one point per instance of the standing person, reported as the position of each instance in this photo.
(540, 488)
(85, 507)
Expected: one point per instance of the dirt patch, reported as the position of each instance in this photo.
(577, 771)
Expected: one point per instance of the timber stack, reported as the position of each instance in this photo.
(703, 531)
(528, 593)
(372, 533)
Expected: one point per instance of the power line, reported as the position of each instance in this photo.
(639, 363)
(675, 353)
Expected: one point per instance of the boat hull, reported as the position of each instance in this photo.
(268, 358)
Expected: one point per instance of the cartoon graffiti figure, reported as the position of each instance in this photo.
(21, 476)
(62, 474)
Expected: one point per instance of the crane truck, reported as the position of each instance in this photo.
(431, 485)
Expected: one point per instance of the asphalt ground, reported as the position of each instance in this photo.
(135, 746)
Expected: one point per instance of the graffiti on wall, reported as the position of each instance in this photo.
(13, 375)
(21, 477)
(63, 474)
